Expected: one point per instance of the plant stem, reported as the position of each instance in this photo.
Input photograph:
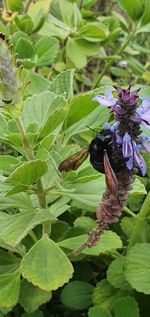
(145, 209)
(30, 155)
(5, 5)
(122, 48)
(81, 3)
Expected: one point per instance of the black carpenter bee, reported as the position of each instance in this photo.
(102, 147)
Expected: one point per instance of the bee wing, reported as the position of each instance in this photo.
(110, 177)
(72, 162)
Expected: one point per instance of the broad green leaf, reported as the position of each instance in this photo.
(8, 262)
(98, 312)
(21, 200)
(45, 265)
(108, 242)
(77, 295)
(46, 49)
(28, 173)
(126, 306)
(16, 227)
(133, 8)
(105, 295)
(115, 274)
(7, 162)
(24, 48)
(146, 15)
(9, 289)
(36, 108)
(93, 120)
(137, 267)
(70, 14)
(88, 48)
(53, 121)
(31, 297)
(92, 33)
(55, 27)
(63, 84)
(75, 53)
(37, 82)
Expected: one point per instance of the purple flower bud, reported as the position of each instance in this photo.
(144, 112)
(139, 160)
(127, 97)
(118, 109)
(115, 126)
(106, 126)
(127, 147)
(106, 100)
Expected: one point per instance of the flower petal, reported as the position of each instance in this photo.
(129, 163)
(139, 160)
(127, 147)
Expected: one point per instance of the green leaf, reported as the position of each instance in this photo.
(70, 13)
(28, 173)
(75, 53)
(31, 297)
(53, 122)
(9, 289)
(45, 265)
(77, 295)
(108, 242)
(36, 108)
(133, 8)
(46, 49)
(24, 23)
(15, 227)
(7, 162)
(92, 33)
(8, 262)
(37, 82)
(105, 295)
(63, 84)
(115, 274)
(15, 5)
(98, 312)
(126, 306)
(137, 267)
(24, 48)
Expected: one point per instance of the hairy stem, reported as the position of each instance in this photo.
(120, 51)
(145, 209)
(39, 186)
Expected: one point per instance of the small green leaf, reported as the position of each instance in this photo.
(63, 84)
(98, 312)
(28, 173)
(24, 23)
(45, 265)
(24, 48)
(137, 267)
(105, 295)
(31, 297)
(15, 227)
(37, 82)
(126, 306)
(92, 33)
(75, 53)
(9, 289)
(46, 49)
(115, 274)
(77, 295)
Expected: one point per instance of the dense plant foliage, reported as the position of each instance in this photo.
(71, 51)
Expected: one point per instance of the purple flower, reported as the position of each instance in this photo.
(143, 112)
(127, 97)
(139, 160)
(129, 163)
(127, 147)
(106, 100)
